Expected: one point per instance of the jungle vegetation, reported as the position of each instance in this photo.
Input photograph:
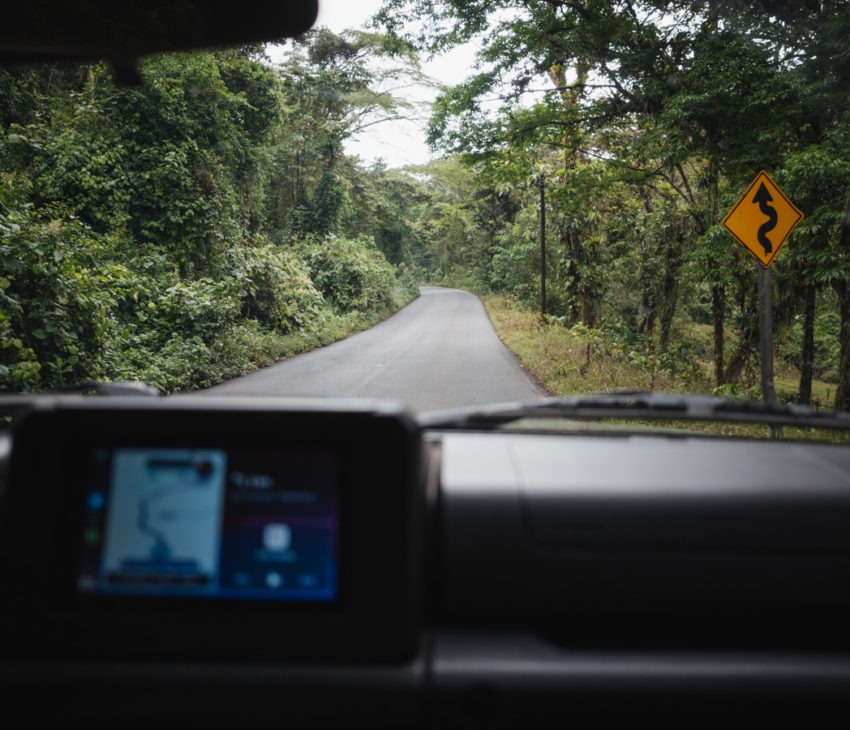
(209, 221)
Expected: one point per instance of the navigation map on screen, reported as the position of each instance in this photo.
(209, 523)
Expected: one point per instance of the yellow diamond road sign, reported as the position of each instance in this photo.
(762, 219)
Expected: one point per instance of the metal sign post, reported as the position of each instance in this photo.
(766, 336)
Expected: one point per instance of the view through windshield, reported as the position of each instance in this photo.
(444, 203)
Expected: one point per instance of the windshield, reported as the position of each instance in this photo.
(446, 204)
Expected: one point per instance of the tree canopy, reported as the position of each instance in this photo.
(646, 120)
(180, 231)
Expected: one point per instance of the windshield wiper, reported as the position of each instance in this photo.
(637, 405)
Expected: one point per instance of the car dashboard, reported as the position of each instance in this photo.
(275, 561)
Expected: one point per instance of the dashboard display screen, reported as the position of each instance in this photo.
(211, 523)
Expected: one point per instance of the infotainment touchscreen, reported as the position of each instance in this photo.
(211, 523)
(162, 520)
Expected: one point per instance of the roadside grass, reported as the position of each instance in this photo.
(568, 361)
(248, 348)
(572, 361)
(267, 348)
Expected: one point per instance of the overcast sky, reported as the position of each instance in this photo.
(341, 14)
(398, 143)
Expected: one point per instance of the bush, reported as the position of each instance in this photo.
(827, 341)
(516, 262)
(153, 306)
(274, 288)
(54, 319)
(353, 274)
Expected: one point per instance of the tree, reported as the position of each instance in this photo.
(335, 86)
(689, 99)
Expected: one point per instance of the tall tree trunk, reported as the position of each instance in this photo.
(588, 307)
(647, 301)
(718, 294)
(842, 394)
(718, 315)
(647, 295)
(808, 354)
(572, 281)
(748, 331)
(842, 288)
(670, 289)
(580, 304)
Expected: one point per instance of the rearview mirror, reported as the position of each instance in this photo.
(50, 30)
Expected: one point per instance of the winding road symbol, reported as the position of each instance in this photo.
(746, 221)
(764, 199)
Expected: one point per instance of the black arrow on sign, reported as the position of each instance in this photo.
(764, 198)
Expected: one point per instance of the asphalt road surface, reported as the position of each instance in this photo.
(439, 352)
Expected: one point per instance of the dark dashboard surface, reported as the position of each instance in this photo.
(477, 578)
(534, 575)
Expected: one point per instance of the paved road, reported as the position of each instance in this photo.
(439, 352)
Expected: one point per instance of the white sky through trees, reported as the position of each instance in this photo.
(399, 142)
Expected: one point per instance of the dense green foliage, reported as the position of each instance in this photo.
(186, 230)
(645, 121)
(209, 220)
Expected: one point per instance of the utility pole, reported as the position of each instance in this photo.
(542, 181)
